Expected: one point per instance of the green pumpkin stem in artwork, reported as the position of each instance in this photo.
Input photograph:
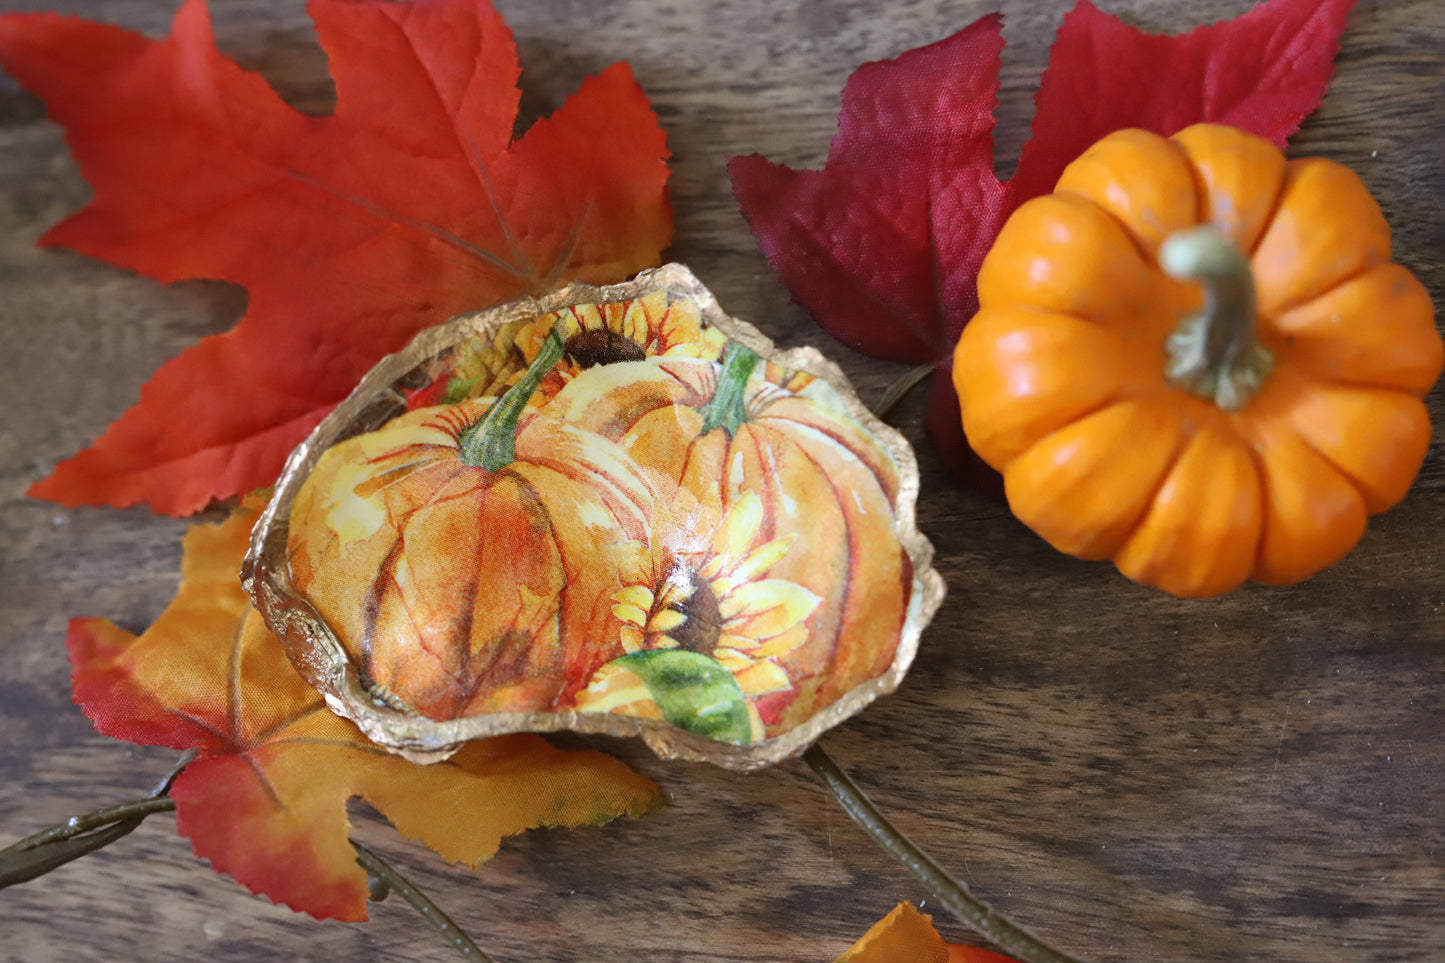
(491, 442)
(727, 409)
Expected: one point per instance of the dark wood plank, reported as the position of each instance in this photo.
(1140, 778)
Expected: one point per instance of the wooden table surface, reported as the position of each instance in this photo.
(1257, 777)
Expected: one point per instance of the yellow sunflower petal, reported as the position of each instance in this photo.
(675, 591)
(731, 659)
(588, 317)
(529, 340)
(761, 678)
(769, 607)
(781, 644)
(681, 323)
(638, 595)
(666, 620)
(709, 570)
(724, 586)
(708, 344)
(739, 528)
(631, 614)
(632, 638)
(762, 558)
(636, 323)
(743, 644)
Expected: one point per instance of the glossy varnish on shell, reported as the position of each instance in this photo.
(612, 510)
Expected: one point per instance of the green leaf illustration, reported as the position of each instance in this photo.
(694, 692)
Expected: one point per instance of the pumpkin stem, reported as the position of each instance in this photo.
(491, 441)
(727, 410)
(1215, 352)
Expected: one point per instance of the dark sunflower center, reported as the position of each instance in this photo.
(704, 618)
(596, 346)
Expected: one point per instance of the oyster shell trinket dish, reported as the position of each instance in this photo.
(611, 510)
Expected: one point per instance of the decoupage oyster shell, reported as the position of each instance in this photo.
(611, 510)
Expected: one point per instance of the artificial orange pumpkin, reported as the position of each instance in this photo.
(805, 592)
(460, 553)
(1197, 359)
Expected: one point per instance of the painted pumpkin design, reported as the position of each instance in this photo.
(461, 578)
(614, 510)
(810, 478)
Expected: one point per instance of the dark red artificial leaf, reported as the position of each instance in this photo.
(883, 245)
(351, 232)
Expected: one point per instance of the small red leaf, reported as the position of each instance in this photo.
(883, 244)
(1264, 72)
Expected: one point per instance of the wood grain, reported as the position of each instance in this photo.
(1139, 778)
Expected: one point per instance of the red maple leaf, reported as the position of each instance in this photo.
(883, 245)
(351, 232)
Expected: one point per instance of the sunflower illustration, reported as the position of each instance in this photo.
(599, 334)
(700, 584)
(592, 335)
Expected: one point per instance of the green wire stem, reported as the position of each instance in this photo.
(393, 882)
(987, 922)
(978, 915)
(39, 853)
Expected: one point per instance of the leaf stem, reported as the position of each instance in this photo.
(393, 882)
(990, 924)
(164, 786)
(900, 387)
(38, 854)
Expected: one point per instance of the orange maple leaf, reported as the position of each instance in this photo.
(265, 799)
(351, 232)
(907, 934)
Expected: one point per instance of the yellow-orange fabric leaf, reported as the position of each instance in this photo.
(265, 800)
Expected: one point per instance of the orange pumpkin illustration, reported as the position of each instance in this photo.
(703, 583)
(459, 552)
(824, 489)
